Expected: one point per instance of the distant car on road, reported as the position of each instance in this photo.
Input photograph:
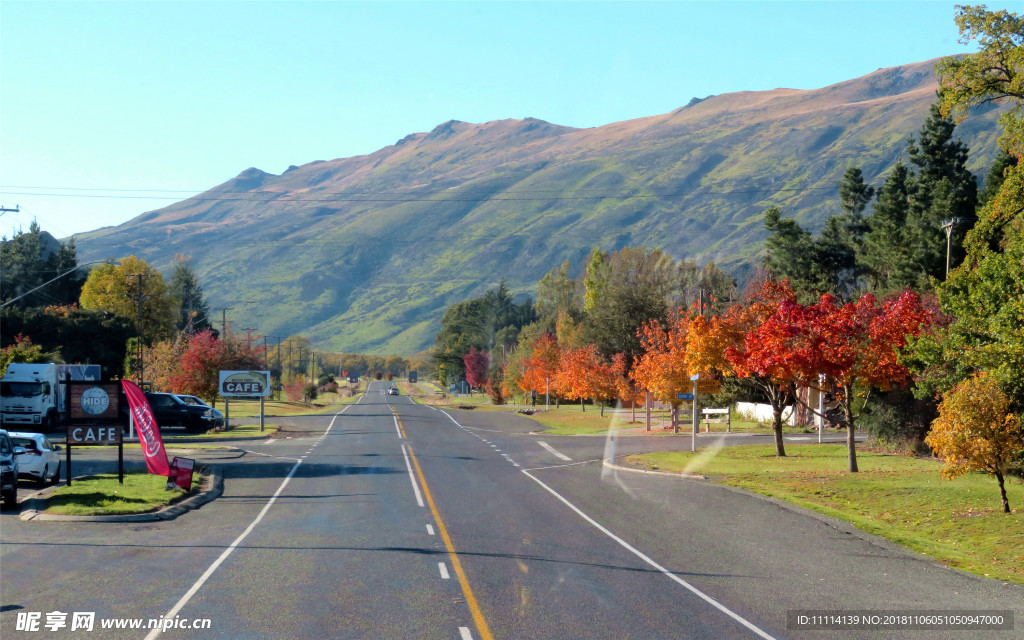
(9, 471)
(393, 391)
(215, 419)
(40, 462)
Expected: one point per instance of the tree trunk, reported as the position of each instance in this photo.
(1002, 491)
(780, 447)
(851, 441)
(851, 446)
(583, 406)
(602, 408)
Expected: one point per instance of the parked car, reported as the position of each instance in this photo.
(171, 411)
(393, 391)
(9, 471)
(215, 419)
(40, 462)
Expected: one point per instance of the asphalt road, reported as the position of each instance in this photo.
(397, 520)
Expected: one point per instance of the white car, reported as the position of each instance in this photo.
(215, 417)
(41, 461)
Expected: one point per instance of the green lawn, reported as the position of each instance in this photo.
(104, 495)
(959, 522)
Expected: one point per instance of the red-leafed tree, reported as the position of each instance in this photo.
(476, 367)
(754, 339)
(542, 365)
(855, 347)
(198, 371)
(192, 364)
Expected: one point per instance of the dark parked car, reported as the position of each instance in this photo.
(170, 410)
(9, 471)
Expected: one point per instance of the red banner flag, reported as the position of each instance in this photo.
(149, 431)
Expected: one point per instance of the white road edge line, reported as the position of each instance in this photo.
(227, 552)
(444, 571)
(464, 634)
(697, 592)
(560, 466)
(397, 430)
(552, 451)
(412, 478)
(450, 417)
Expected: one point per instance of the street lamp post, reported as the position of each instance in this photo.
(947, 226)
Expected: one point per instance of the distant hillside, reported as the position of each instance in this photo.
(365, 253)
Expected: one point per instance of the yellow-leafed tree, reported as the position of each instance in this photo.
(976, 431)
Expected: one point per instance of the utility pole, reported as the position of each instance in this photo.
(139, 297)
(224, 321)
(3, 209)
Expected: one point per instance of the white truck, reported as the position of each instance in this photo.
(33, 394)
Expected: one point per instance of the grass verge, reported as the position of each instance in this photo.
(904, 499)
(251, 408)
(238, 431)
(569, 420)
(104, 495)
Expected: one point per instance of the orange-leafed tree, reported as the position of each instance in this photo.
(976, 431)
(855, 347)
(542, 365)
(626, 388)
(755, 349)
(583, 373)
(661, 369)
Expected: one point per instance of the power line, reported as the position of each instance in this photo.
(442, 196)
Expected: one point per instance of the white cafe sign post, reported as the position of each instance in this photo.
(244, 384)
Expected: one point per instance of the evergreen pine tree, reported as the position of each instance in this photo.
(883, 254)
(194, 309)
(942, 189)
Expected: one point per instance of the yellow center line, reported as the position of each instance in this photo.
(401, 428)
(474, 607)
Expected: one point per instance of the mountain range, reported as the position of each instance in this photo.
(364, 254)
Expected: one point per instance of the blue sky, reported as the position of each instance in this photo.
(106, 105)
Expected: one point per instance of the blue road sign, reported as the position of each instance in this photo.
(685, 396)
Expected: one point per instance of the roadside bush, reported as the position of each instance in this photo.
(898, 418)
(494, 391)
(293, 390)
(309, 392)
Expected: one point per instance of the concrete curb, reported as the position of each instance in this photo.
(607, 464)
(212, 489)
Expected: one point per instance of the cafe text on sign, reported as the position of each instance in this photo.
(94, 435)
(244, 383)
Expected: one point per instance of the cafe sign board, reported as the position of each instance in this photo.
(94, 401)
(244, 384)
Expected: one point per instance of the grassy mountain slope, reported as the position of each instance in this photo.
(365, 253)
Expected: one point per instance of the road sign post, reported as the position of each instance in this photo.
(694, 420)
